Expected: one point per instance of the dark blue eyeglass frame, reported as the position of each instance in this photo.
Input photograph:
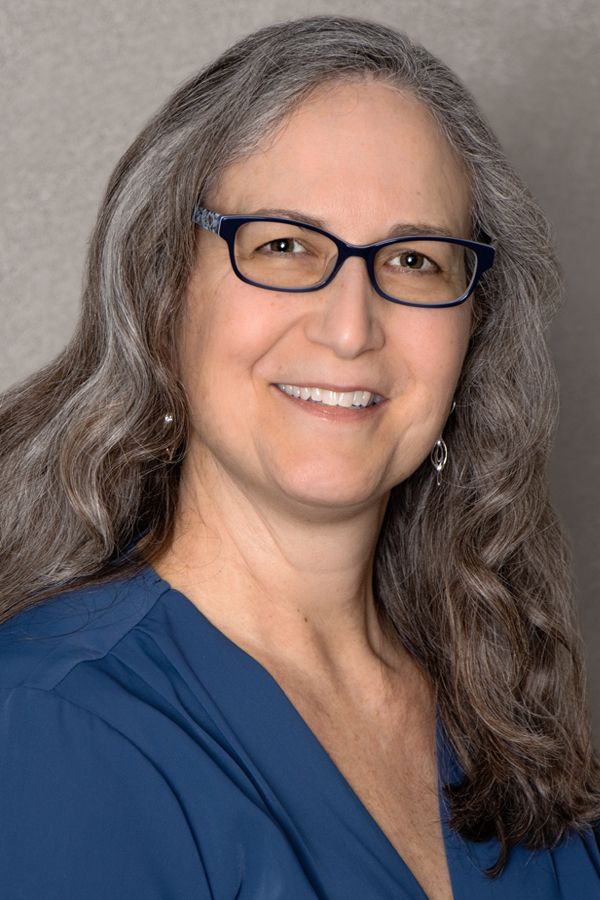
(226, 226)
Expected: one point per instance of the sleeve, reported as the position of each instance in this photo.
(84, 813)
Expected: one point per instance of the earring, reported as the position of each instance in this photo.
(170, 452)
(439, 458)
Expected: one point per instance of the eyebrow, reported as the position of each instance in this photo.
(398, 230)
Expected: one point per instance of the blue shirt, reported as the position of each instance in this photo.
(143, 754)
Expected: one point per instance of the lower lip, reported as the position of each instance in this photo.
(333, 413)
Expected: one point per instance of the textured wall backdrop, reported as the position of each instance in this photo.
(81, 78)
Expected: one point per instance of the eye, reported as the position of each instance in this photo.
(282, 245)
(411, 259)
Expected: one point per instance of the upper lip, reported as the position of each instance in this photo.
(338, 388)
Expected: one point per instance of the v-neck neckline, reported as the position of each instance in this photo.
(447, 768)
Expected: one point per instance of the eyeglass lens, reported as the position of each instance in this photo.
(280, 255)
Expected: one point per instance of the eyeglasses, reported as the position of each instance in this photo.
(285, 255)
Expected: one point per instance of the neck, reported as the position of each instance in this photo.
(292, 586)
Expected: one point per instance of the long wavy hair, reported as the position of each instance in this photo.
(473, 577)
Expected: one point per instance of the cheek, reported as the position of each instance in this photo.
(434, 343)
(430, 348)
(229, 327)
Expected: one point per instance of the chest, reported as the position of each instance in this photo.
(394, 774)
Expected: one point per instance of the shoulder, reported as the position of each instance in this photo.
(85, 812)
(80, 793)
(41, 645)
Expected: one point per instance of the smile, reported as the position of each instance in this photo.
(347, 399)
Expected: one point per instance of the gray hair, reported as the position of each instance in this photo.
(472, 578)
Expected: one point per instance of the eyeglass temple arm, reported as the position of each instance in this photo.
(207, 219)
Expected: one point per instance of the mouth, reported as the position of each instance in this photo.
(355, 398)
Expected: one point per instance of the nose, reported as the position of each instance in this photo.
(346, 315)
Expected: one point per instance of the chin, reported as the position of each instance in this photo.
(329, 490)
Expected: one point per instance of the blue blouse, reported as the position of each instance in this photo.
(143, 754)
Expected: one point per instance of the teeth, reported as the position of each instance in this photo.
(331, 398)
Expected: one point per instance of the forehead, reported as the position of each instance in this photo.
(359, 156)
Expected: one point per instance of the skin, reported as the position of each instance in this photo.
(280, 510)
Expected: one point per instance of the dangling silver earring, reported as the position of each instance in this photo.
(439, 454)
(170, 452)
(439, 458)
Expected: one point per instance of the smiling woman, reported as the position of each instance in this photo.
(341, 339)
(286, 609)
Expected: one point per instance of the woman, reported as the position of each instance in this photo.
(286, 608)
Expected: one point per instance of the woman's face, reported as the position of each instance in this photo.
(363, 159)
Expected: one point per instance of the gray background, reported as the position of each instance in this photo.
(82, 77)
